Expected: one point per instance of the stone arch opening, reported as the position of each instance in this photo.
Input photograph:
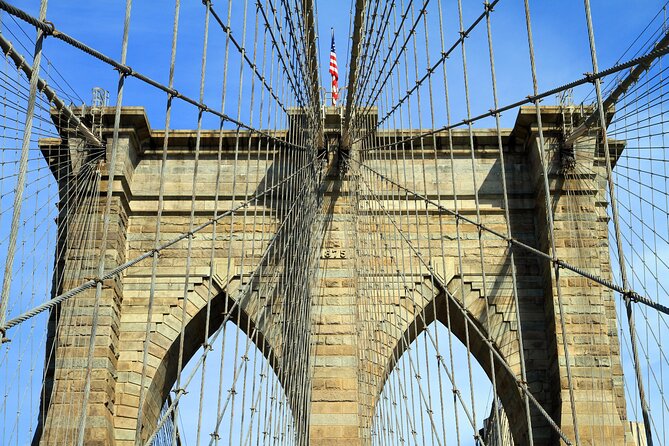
(222, 311)
(250, 388)
(449, 313)
(420, 390)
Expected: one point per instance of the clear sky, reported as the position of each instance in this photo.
(559, 34)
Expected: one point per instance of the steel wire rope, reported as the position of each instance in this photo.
(120, 66)
(368, 104)
(244, 218)
(557, 261)
(404, 286)
(294, 40)
(361, 84)
(210, 8)
(266, 368)
(407, 263)
(67, 331)
(588, 78)
(411, 418)
(520, 385)
(157, 236)
(376, 311)
(507, 219)
(628, 342)
(205, 342)
(78, 193)
(418, 375)
(569, 200)
(293, 79)
(461, 270)
(59, 226)
(272, 278)
(441, 61)
(46, 59)
(18, 369)
(23, 92)
(404, 268)
(22, 276)
(228, 39)
(475, 185)
(58, 282)
(242, 294)
(232, 391)
(115, 271)
(425, 186)
(44, 88)
(105, 230)
(614, 211)
(440, 219)
(429, 242)
(642, 48)
(21, 179)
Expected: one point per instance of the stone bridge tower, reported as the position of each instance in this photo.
(344, 376)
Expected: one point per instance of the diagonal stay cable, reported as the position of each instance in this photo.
(22, 173)
(92, 282)
(58, 86)
(421, 314)
(280, 53)
(434, 277)
(399, 53)
(633, 295)
(361, 83)
(296, 41)
(444, 56)
(242, 295)
(253, 66)
(50, 30)
(20, 62)
(586, 79)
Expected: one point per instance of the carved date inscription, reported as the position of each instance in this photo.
(333, 254)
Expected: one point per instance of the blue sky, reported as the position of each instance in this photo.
(559, 34)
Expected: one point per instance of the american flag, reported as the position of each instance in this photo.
(334, 71)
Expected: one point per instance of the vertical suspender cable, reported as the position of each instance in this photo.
(507, 218)
(155, 258)
(616, 227)
(23, 168)
(105, 227)
(549, 220)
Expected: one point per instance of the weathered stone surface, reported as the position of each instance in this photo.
(349, 369)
